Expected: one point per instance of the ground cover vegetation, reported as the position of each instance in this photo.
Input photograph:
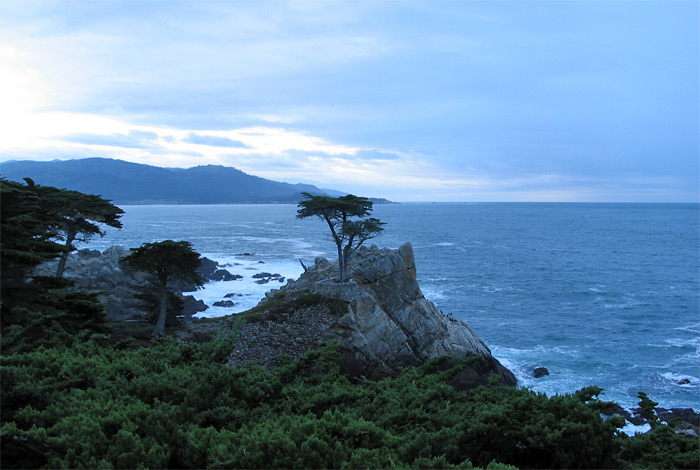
(94, 405)
(74, 397)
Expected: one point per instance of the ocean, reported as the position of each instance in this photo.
(599, 294)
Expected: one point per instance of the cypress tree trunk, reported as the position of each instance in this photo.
(159, 330)
(341, 264)
(62, 264)
(70, 238)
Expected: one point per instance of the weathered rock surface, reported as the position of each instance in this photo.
(540, 372)
(94, 271)
(191, 305)
(389, 323)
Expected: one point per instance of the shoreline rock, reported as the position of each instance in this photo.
(389, 324)
(94, 271)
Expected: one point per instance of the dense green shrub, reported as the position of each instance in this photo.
(174, 405)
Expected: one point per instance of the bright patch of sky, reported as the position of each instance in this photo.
(412, 101)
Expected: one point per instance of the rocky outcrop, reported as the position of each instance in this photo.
(94, 271)
(389, 324)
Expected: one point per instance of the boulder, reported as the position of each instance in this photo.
(191, 305)
(389, 324)
(207, 267)
(210, 270)
(85, 253)
(262, 275)
(224, 275)
(224, 303)
(687, 415)
(540, 372)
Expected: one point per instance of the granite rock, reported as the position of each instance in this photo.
(389, 324)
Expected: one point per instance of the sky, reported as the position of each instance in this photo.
(408, 100)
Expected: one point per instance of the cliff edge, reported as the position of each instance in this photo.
(389, 324)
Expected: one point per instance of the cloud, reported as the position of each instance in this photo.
(214, 141)
(135, 139)
(443, 101)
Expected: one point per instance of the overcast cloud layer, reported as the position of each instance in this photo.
(412, 101)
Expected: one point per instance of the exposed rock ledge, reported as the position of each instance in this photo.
(389, 323)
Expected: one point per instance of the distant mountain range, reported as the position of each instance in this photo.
(132, 183)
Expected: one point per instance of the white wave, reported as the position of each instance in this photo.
(492, 289)
(675, 378)
(682, 342)
(433, 295)
(692, 327)
(444, 244)
(249, 292)
(632, 429)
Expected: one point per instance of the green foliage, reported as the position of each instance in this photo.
(661, 448)
(339, 307)
(166, 260)
(281, 303)
(38, 310)
(177, 406)
(27, 234)
(647, 410)
(346, 217)
(150, 303)
(76, 217)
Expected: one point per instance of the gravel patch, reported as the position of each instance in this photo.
(292, 334)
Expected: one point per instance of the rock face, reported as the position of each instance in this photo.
(95, 271)
(389, 323)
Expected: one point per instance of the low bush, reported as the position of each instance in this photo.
(92, 405)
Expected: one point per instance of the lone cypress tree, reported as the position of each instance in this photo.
(347, 219)
(165, 261)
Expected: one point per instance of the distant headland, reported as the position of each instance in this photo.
(132, 183)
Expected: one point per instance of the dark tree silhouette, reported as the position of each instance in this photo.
(77, 217)
(347, 219)
(165, 261)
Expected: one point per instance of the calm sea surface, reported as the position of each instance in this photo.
(600, 294)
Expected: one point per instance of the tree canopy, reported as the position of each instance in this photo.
(348, 221)
(166, 261)
(78, 217)
(27, 231)
(34, 305)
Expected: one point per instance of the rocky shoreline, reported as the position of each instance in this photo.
(388, 323)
